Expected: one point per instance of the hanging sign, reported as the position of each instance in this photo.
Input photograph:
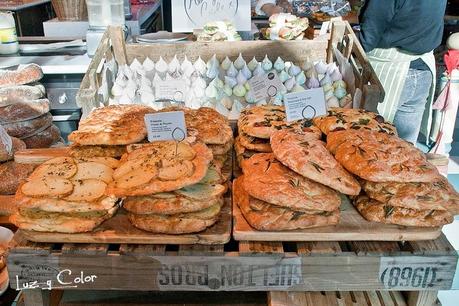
(188, 15)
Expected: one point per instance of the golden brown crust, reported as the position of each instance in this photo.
(221, 149)
(160, 157)
(61, 224)
(373, 210)
(347, 118)
(176, 224)
(438, 195)
(242, 152)
(268, 180)
(112, 125)
(379, 157)
(212, 127)
(17, 144)
(262, 121)
(265, 217)
(23, 75)
(307, 156)
(254, 143)
(78, 151)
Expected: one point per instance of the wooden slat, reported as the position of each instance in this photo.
(143, 249)
(439, 246)
(39, 156)
(386, 298)
(398, 298)
(265, 248)
(199, 249)
(373, 298)
(306, 248)
(85, 249)
(359, 297)
(374, 247)
(20, 244)
(316, 299)
(422, 298)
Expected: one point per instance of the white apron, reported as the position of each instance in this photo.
(391, 67)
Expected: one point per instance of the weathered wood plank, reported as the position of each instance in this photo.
(198, 249)
(143, 249)
(85, 249)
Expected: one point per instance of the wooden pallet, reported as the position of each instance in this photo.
(243, 266)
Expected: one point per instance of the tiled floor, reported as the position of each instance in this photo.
(451, 298)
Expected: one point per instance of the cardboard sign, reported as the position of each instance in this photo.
(166, 126)
(188, 15)
(266, 86)
(305, 104)
(170, 90)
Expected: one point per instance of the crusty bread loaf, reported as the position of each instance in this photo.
(20, 93)
(27, 128)
(23, 110)
(25, 74)
(5, 154)
(13, 174)
(43, 139)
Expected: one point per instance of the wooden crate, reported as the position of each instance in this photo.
(342, 37)
(243, 266)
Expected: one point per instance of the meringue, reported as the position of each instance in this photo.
(252, 65)
(230, 81)
(290, 83)
(174, 65)
(186, 65)
(241, 79)
(246, 72)
(266, 64)
(239, 62)
(279, 64)
(232, 71)
(301, 78)
(294, 70)
(226, 63)
(199, 66)
(161, 66)
(283, 76)
(258, 71)
(148, 65)
(239, 90)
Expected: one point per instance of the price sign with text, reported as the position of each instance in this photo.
(305, 104)
(166, 126)
(170, 90)
(266, 85)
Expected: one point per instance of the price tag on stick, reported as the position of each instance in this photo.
(266, 86)
(166, 126)
(305, 104)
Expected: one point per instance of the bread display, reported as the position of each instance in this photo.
(318, 164)
(65, 195)
(380, 157)
(348, 118)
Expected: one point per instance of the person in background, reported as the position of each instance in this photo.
(399, 37)
(271, 7)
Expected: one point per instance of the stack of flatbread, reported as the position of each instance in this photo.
(107, 130)
(168, 187)
(401, 186)
(273, 197)
(256, 125)
(66, 195)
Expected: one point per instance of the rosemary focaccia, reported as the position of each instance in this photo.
(212, 127)
(376, 211)
(186, 200)
(254, 143)
(266, 217)
(178, 223)
(339, 119)
(438, 195)
(266, 179)
(160, 166)
(221, 149)
(380, 157)
(309, 157)
(262, 121)
(241, 151)
(113, 125)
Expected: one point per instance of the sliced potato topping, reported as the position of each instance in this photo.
(64, 167)
(48, 186)
(87, 190)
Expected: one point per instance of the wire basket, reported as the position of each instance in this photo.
(70, 10)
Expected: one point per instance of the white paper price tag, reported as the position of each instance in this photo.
(6, 140)
(403, 273)
(266, 86)
(166, 126)
(170, 90)
(305, 104)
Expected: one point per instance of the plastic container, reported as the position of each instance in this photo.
(102, 13)
(8, 37)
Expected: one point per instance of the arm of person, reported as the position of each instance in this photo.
(266, 8)
(375, 18)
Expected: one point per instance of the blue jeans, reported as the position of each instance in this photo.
(412, 103)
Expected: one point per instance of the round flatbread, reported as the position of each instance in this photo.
(262, 121)
(380, 157)
(373, 210)
(78, 151)
(221, 149)
(255, 144)
(241, 151)
(438, 195)
(266, 179)
(309, 157)
(201, 197)
(176, 224)
(265, 217)
(339, 119)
